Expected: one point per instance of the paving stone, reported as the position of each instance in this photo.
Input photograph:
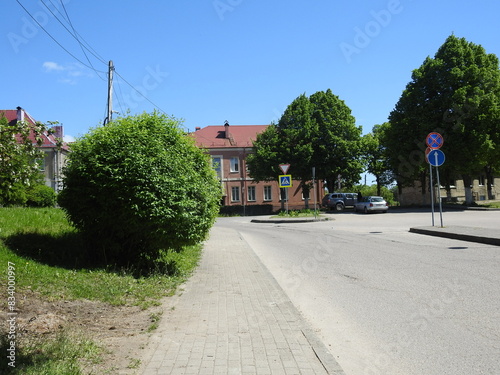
(232, 318)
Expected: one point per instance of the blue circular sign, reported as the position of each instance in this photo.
(436, 158)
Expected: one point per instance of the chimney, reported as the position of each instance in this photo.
(58, 131)
(226, 129)
(197, 128)
(20, 114)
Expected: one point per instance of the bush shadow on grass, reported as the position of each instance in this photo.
(17, 358)
(69, 250)
(66, 250)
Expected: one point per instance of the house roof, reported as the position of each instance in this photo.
(48, 140)
(214, 136)
(11, 115)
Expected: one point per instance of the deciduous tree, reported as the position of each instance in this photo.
(375, 157)
(317, 131)
(18, 159)
(456, 93)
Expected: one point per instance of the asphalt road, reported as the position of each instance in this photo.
(387, 301)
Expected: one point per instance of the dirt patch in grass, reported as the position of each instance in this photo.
(122, 331)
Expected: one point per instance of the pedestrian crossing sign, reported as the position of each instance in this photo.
(285, 180)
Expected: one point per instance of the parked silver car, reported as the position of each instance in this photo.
(371, 204)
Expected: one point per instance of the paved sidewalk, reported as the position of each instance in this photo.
(233, 318)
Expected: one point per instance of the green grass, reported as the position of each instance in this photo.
(298, 213)
(490, 205)
(50, 259)
(155, 321)
(62, 354)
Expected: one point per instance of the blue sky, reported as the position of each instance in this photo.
(207, 61)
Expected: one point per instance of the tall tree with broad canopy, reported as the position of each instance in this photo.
(338, 143)
(317, 131)
(375, 157)
(456, 93)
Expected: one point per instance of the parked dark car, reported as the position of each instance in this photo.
(339, 201)
(372, 204)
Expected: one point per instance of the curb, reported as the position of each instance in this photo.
(471, 234)
(327, 359)
(287, 221)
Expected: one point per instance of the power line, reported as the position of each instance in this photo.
(118, 98)
(140, 93)
(73, 34)
(76, 35)
(88, 46)
(55, 40)
(78, 38)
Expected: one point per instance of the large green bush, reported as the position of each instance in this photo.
(41, 196)
(137, 186)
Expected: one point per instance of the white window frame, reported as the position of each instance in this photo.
(235, 164)
(268, 193)
(251, 197)
(235, 193)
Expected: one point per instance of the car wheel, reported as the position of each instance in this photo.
(366, 210)
(339, 207)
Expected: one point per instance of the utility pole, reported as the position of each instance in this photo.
(111, 68)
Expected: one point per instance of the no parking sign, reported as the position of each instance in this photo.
(434, 140)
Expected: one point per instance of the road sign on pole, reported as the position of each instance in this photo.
(436, 158)
(285, 181)
(284, 168)
(434, 140)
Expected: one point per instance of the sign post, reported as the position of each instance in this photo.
(436, 158)
(434, 140)
(431, 182)
(285, 181)
(314, 192)
(284, 168)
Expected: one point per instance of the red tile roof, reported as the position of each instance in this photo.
(214, 136)
(48, 140)
(11, 116)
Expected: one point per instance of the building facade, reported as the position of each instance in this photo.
(54, 154)
(412, 195)
(229, 147)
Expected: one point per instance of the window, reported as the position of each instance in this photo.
(251, 193)
(217, 166)
(235, 164)
(235, 194)
(268, 193)
(481, 180)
